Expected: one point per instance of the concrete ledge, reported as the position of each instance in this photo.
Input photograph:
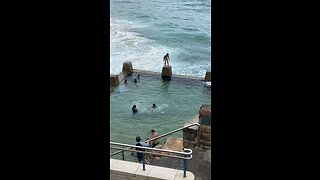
(119, 177)
(125, 168)
(159, 173)
(143, 174)
(179, 175)
(195, 119)
(112, 162)
(121, 170)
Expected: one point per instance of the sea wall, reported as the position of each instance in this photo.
(191, 134)
(166, 74)
(205, 126)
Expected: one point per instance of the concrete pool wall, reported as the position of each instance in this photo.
(190, 135)
(127, 69)
(130, 170)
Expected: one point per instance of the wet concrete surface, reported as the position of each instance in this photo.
(199, 165)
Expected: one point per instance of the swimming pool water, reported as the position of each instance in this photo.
(177, 101)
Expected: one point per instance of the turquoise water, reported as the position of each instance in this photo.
(177, 101)
(143, 31)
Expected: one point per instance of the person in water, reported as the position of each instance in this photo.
(166, 59)
(135, 81)
(143, 144)
(154, 105)
(154, 135)
(138, 76)
(125, 82)
(134, 109)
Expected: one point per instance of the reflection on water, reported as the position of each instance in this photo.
(165, 86)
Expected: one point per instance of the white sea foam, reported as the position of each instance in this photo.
(128, 45)
(207, 83)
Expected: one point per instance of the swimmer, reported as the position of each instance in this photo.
(125, 82)
(134, 109)
(154, 105)
(135, 81)
(138, 76)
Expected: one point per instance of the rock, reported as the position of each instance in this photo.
(173, 144)
(205, 143)
(205, 136)
(206, 147)
(205, 129)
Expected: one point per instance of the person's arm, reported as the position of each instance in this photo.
(144, 144)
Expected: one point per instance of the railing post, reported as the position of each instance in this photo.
(184, 167)
(143, 162)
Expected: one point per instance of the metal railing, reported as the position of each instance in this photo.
(185, 155)
(166, 134)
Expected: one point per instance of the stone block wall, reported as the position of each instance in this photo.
(205, 126)
(190, 135)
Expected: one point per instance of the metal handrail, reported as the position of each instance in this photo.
(166, 134)
(186, 155)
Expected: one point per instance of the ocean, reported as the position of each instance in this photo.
(143, 31)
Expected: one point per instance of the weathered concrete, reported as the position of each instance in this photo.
(114, 80)
(125, 169)
(158, 173)
(199, 165)
(127, 66)
(166, 71)
(122, 170)
(208, 75)
(190, 134)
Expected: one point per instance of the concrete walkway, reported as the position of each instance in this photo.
(199, 165)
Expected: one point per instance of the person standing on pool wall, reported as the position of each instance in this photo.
(166, 59)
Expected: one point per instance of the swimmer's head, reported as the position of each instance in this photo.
(138, 138)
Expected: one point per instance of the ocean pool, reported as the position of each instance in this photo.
(177, 101)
